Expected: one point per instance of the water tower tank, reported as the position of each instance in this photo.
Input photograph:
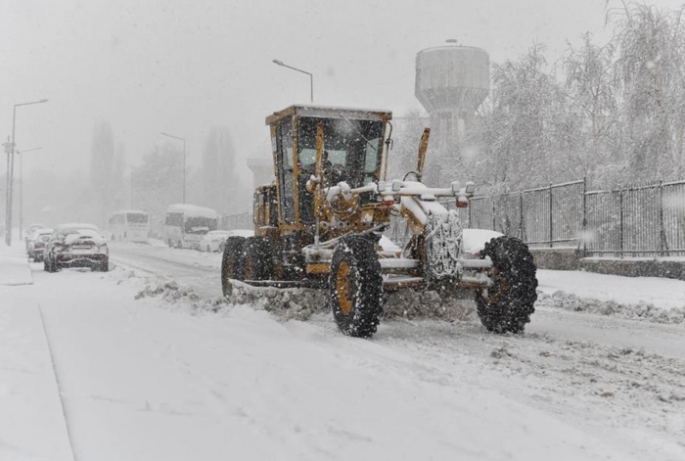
(452, 78)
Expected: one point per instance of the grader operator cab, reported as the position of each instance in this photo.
(320, 224)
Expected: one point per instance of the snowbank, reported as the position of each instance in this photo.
(640, 311)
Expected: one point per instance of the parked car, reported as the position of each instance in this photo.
(29, 231)
(76, 245)
(214, 240)
(36, 243)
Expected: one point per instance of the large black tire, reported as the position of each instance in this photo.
(232, 262)
(506, 306)
(257, 263)
(49, 265)
(102, 266)
(356, 287)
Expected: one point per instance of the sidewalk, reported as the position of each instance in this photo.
(661, 292)
(14, 266)
(32, 425)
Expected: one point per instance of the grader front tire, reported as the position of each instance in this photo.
(356, 287)
(257, 264)
(506, 306)
(232, 263)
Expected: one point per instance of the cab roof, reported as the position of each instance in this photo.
(329, 112)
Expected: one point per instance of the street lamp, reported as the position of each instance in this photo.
(21, 153)
(10, 172)
(311, 76)
(184, 161)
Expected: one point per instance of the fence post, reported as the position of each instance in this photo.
(470, 226)
(662, 230)
(620, 220)
(584, 230)
(551, 216)
(521, 216)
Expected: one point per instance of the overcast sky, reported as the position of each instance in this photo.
(181, 66)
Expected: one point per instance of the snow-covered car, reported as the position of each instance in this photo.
(36, 243)
(76, 245)
(214, 240)
(29, 232)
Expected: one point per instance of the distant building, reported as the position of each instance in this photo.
(262, 167)
(451, 82)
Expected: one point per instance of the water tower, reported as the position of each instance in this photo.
(451, 82)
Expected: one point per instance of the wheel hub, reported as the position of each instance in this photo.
(248, 263)
(344, 287)
(496, 291)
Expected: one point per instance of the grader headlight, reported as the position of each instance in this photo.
(456, 187)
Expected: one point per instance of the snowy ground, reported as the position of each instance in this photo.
(158, 379)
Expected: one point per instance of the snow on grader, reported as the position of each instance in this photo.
(320, 223)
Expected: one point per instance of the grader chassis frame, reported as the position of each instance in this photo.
(320, 223)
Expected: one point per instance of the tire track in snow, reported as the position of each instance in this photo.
(55, 373)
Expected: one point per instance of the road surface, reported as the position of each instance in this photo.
(110, 377)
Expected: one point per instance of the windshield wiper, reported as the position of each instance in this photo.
(359, 132)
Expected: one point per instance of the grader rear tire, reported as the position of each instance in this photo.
(232, 263)
(356, 287)
(506, 306)
(257, 264)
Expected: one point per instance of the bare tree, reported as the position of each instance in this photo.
(650, 66)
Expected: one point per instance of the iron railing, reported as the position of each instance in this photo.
(644, 220)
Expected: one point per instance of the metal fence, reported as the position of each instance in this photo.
(643, 220)
(638, 221)
(546, 216)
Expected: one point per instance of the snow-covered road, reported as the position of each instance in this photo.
(152, 379)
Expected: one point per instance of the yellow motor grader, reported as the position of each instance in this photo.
(320, 225)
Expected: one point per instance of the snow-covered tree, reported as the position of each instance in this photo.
(157, 183)
(220, 181)
(525, 132)
(106, 172)
(650, 68)
(591, 90)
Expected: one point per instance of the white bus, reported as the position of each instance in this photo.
(185, 225)
(130, 226)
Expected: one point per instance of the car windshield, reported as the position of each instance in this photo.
(199, 225)
(83, 232)
(137, 218)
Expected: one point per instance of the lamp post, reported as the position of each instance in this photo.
(21, 153)
(184, 161)
(311, 76)
(10, 172)
(131, 184)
